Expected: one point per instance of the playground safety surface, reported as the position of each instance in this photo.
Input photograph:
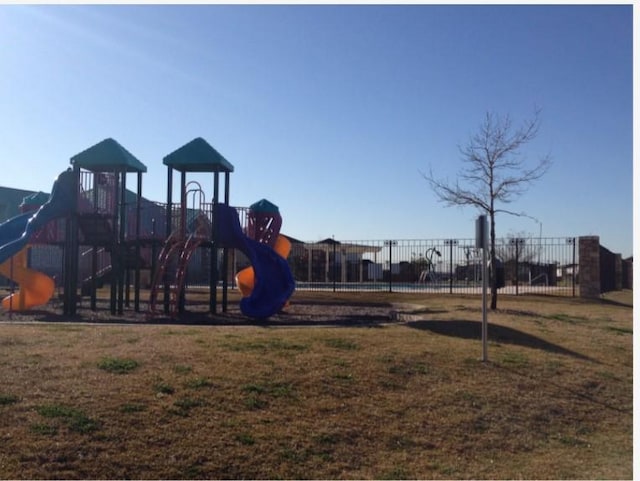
(298, 314)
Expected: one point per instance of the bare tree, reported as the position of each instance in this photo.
(495, 173)
(518, 245)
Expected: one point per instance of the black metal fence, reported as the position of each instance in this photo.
(445, 266)
(540, 265)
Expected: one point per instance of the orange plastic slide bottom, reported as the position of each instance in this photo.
(246, 277)
(36, 288)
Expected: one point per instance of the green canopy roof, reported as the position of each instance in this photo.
(264, 205)
(107, 156)
(37, 198)
(197, 156)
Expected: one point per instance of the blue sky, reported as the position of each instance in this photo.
(332, 112)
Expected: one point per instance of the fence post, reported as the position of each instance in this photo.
(335, 264)
(518, 242)
(390, 243)
(572, 241)
(451, 243)
(517, 266)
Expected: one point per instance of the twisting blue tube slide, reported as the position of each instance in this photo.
(36, 288)
(16, 232)
(274, 282)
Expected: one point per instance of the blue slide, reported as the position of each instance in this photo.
(16, 232)
(274, 282)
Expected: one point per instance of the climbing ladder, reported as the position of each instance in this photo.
(177, 250)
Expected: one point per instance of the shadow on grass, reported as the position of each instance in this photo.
(617, 303)
(201, 317)
(473, 330)
(282, 319)
(333, 302)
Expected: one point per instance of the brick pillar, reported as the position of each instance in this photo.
(618, 271)
(589, 266)
(627, 270)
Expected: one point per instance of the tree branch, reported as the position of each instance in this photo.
(494, 171)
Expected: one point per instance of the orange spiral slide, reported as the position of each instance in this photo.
(36, 288)
(246, 277)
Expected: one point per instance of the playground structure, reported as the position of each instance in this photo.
(264, 222)
(98, 223)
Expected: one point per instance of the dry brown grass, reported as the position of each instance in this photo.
(407, 399)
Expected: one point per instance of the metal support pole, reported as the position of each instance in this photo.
(517, 266)
(485, 329)
(573, 270)
(94, 253)
(213, 278)
(518, 242)
(167, 286)
(127, 287)
(451, 267)
(572, 241)
(13, 284)
(154, 251)
(71, 249)
(181, 300)
(335, 265)
(390, 267)
(136, 281)
(451, 243)
(115, 254)
(122, 250)
(225, 252)
(94, 276)
(482, 242)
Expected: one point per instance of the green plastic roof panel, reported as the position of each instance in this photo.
(264, 205)
(197, 156)
(37, 198)
(107, 156)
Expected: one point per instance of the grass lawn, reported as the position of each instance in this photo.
(407, 399)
